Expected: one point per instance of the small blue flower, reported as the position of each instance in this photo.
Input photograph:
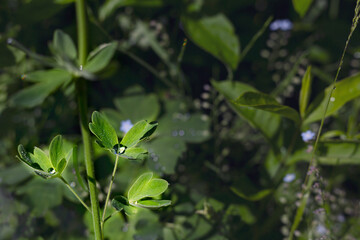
(281, 24)
(126, 126)
(289, 177)
(308, 135)
(321, 229)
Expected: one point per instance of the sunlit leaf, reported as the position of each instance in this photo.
(121, 203)
(56, 150)
(215, 35)
(153, 203)
(102, 129)
(146, 186)
(138, 132)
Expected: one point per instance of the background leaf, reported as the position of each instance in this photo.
(267, 103)
(305, 92)
(215, 35)
(64, 45)
(301, 6)
(100, 57)
(346, 90)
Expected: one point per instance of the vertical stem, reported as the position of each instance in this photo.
(109, 192)
(81, 92)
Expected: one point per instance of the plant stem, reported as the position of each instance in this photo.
(81, 92)
(77, 196)
(109, 192)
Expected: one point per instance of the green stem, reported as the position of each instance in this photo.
(81, 91)
(109, 192)
(77, 196)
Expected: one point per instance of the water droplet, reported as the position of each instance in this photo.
(174, 133)
(181, 133)
(72, 184)
(81, 67)
(122, 150)
(332, 99)
(52, 171)
(10, 41)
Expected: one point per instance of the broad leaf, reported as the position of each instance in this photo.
(346, 90)
(35, 94)
(102, 129)
(215, 35)
(55, 74)
(301, 6)
(305, 92)
(330, 153)
(63, 45)
(121, 203)
(138, 132)
(111, 5)
(153, 203)
(56, 150)
(134, 153)
(42, 159)
(268, 123)
(145, 186)
(267, 103)
(100, 57)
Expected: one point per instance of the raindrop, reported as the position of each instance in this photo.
(52, 171)
(181, 133)
(122, 150)
(332, 99)
(72, 184)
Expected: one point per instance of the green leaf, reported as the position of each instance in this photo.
(153, 203)
(146, 186)
(56, 150)
(330, 153)
(42, 159)
(268, 123)
(100, 57)
(254, 197)
(134, 153)
(111, 5)
(301, 6)
(35, 94)
(24, 155)
(56, 74)
(215, 35)
(305, 92)
(147, 107)
(346, 90)
(243, 211)
(138, 132)
(64, 45)
(267, 103)
(102, 129)
(121, 203)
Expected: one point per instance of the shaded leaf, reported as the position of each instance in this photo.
(267, 103)
(102, 129)
(64, 45)
(135, 153)
(346, 90)
(121, 203)
(215, 35)
(100, 57)
(305, 92)
(268, 123)
(55, 74)
(254, 197)
(35, 94)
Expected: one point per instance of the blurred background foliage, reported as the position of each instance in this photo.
(226, 164)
